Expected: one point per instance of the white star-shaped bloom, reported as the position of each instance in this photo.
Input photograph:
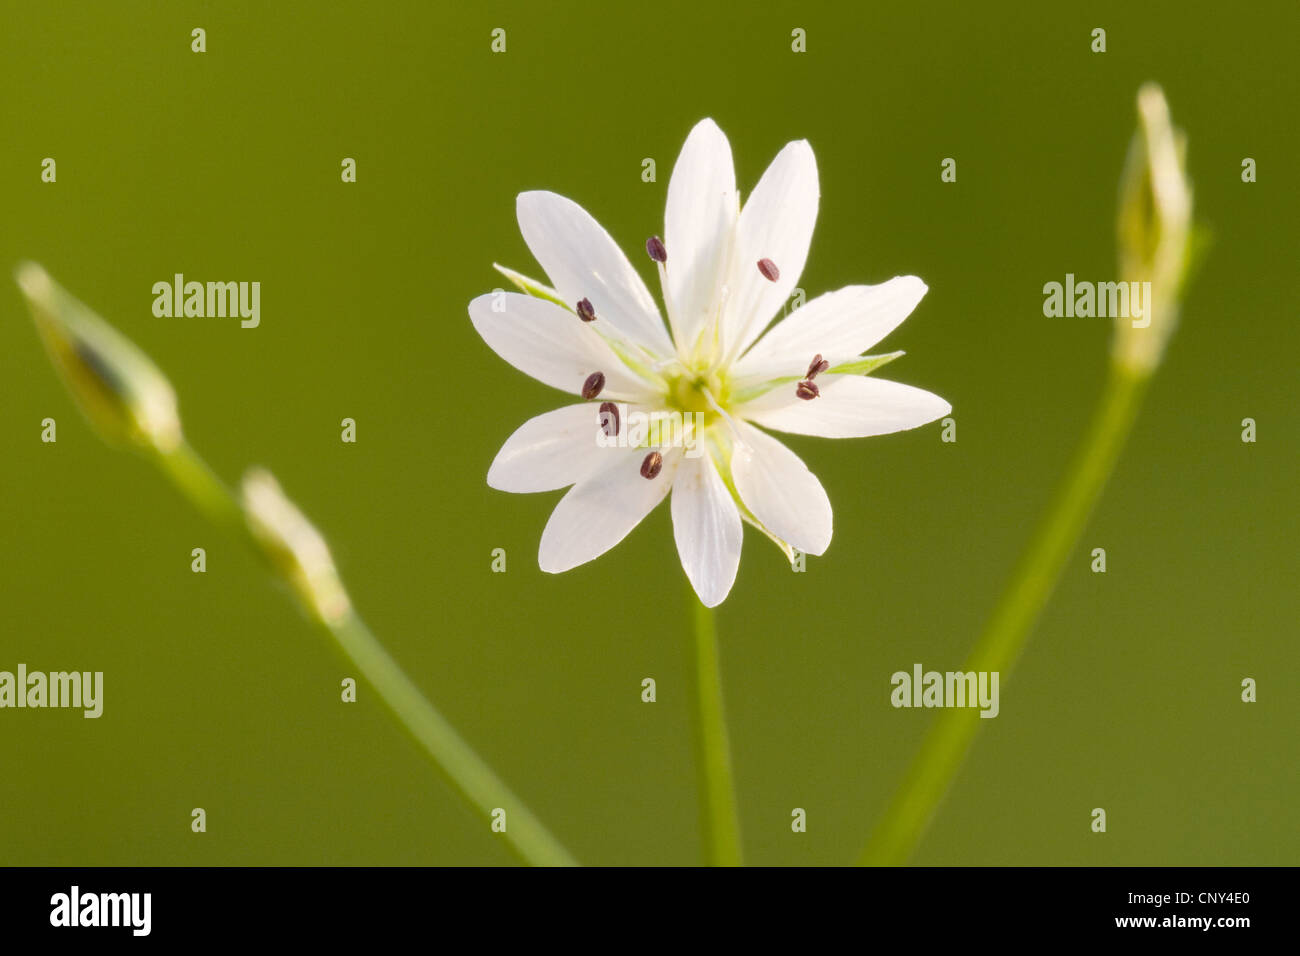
(674, 409)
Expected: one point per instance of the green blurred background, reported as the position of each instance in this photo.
(225, 166)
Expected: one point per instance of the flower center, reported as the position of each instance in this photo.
(690, 391)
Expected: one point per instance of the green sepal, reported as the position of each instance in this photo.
(532, 286)
(863, 365)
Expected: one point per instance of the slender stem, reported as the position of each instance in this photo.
(950, 736)
(719, 820)
(467, 773)
(196, 481)
(473, 779)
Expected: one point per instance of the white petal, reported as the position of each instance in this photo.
(707, 528)
(550, 344)
(698, 226)
(780, 490)
(551, 451)
(776, 223)
(849, 406)
(600, 511)
(584, 262)
(838, 326)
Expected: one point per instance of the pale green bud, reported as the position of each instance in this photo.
(294, 547)
(120, 391)
(1155, 231)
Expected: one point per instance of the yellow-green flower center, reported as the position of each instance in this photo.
(690, 391)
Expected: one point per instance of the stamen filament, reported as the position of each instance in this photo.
(731, 424)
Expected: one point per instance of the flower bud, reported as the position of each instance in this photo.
(119, 390)
(294, 547)
(1155, 232)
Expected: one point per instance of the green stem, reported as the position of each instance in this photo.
(719, 821)
(950, 736)
(197, 482)
(467, 773)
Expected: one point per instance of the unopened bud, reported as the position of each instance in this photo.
(1154, 232)
(294, 547)
(116, 386)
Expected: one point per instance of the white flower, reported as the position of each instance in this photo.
(725, 272)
